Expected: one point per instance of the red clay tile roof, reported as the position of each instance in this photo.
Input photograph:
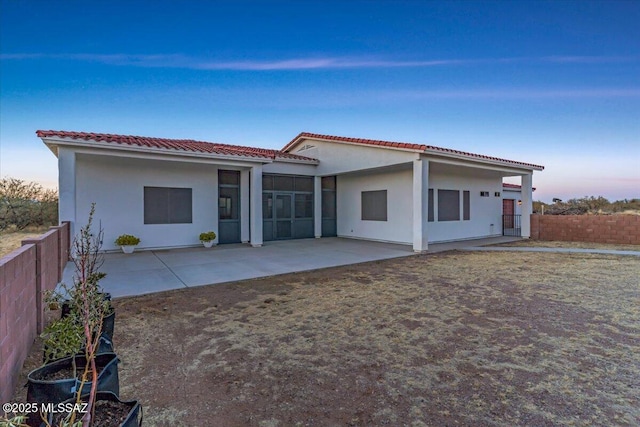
(174, 144)
(401, 145)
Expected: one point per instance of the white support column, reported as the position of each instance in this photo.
(420, 204)
(255, 206)
(527, 204)
(317, 207)
(67, 187)
(244, 205)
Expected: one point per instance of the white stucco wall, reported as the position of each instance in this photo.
(397, 228)
(117, 184)
(336, 158)
(289, 168)
(484, 211)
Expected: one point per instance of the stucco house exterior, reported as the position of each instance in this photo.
(168, 191)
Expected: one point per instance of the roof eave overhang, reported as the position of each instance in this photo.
(309, 161)
(53, 143)
(475, 159)
(296, 141)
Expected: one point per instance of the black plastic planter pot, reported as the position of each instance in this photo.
(108, 323)
(59, 390)
(134, 417)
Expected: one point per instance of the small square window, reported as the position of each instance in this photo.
(374, 205)
(496, 194)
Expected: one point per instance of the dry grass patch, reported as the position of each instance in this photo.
(577, 245)
(12, 240)
(458, 338)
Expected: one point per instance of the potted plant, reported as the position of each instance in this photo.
(127, 242)
(207, 238)
(82, 325)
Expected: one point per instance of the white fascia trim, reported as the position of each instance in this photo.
(472, 162)
(474, 159)
(410, 150)
(150, 150)
(299, 161)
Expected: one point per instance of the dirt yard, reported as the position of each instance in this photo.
(578, 245)
(452, 339)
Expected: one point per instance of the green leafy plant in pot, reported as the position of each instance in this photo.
(127, 242)
(207, 238)
(79, 331)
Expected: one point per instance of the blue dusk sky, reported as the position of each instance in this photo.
(555, 83)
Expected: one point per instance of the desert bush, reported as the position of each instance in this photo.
(587, 205)
(24, 204)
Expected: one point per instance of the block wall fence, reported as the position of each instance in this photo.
(617, 229)
(25, 274)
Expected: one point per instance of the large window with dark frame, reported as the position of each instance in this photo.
(448, 205)
(374, 205)
(164, 205)
(466, 205)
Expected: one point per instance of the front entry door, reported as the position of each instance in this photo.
(508, 210)
(228, 206)
(283, 216)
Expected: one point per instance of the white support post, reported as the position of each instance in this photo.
(420, 205)
(317, 207)
(244, 206)
(527, 205)
(255, 206)
(67, 188)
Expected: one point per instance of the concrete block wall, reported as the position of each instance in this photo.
(615, 229)
(25, 274)
(18, 314)
(47, 268)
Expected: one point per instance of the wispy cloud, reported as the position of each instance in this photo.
(521, 93)
(310, 63)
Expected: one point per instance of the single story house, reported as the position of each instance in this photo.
(168, 191)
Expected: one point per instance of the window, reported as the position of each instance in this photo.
(484, 194)
(303, 183)
(283, 183)
(167, 205)
(328, 182)
(496, 194)
(448, 205)
(374, 205)
(267, 182)
(228, 177)
(303, 206)
(466, 205)
(431, 211)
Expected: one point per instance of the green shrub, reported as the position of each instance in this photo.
(127, 240)
(208, 236)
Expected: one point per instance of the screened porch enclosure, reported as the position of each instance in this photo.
(287, 207)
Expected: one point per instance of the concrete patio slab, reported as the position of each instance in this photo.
(154, 271)
(146, 272)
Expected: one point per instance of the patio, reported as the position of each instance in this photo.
(145, 272)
